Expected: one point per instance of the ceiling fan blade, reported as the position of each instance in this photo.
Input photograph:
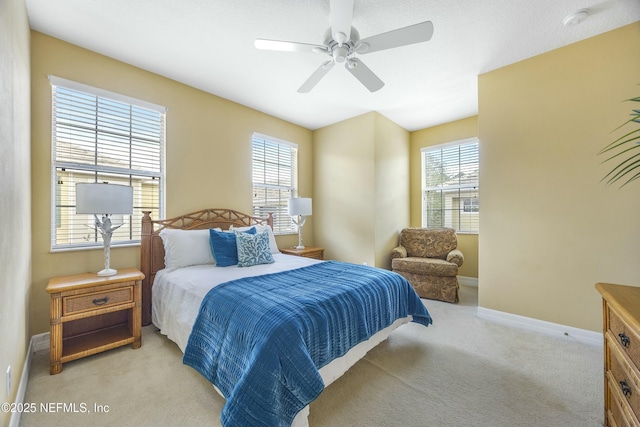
(287, 46)
(317, 75)
(341, 15)
(416, 33)
(364, 74)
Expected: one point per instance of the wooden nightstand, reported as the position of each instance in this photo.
(90, 314)
(308, 252)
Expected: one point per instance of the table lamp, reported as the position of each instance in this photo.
(105, 200)
(299, 208)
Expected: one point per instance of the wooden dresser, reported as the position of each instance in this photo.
(621, 326)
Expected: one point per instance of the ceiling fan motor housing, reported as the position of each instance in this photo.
(341, 50)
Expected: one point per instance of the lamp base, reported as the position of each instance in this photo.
(299, 247)
(107, 272)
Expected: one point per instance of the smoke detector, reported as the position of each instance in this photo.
(575, 18)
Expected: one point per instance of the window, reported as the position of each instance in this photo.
(98, 136)
(450, 190)
(471, 204)
(275, 180)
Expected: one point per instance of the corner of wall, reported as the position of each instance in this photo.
(15, 203)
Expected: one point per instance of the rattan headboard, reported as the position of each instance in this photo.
(152, 249)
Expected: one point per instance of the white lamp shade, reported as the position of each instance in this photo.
(299, 206)
(104, 199)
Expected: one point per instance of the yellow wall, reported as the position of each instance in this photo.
(343, 191)
(454, 131)
(550, 229)
(15, 208)
(391, 187)
(361, 188)
(208, 154)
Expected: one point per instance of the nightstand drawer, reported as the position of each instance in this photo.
(78, 304)
(316, 254)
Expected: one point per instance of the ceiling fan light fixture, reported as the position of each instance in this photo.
(340, 53)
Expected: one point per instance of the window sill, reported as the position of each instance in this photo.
(287, 233)
(93, 247)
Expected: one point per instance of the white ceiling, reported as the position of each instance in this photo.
(208, 44)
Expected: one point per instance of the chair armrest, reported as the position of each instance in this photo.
(399, 252)
(456, 257)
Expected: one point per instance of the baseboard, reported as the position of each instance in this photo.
(40, 342)
(36, 343)
(468, 281)
(581, 335)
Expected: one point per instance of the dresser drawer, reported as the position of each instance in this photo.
(623, 379)
(616, 415)
(95, 300)
(626, 337)
(619, 413)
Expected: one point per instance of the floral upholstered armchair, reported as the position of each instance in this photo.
(429, 260)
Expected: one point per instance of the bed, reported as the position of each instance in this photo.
(251, 327)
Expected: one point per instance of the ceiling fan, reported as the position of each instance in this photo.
(341, 43)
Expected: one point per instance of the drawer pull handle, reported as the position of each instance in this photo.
(100, 301)
(626, 390)
(624, 340)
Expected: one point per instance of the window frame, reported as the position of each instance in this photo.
(102, 172)
(457, 191)
(279, 210)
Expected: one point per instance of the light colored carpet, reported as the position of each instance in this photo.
(461, 371)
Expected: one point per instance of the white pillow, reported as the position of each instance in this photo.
(259, 229)
(183, 248)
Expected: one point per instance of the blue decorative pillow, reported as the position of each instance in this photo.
(253, 249)
(223, 246)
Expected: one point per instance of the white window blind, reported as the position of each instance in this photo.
(275, 180)
(450, 186)
(98, 136)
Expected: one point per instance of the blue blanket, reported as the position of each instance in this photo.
(261, 340)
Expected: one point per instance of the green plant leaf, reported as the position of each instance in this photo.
(629, 163)
(623, 169)
(618, 143)
(631, 179)
(633, 147)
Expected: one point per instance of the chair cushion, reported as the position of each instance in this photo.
(428, 243)
(429, 266)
